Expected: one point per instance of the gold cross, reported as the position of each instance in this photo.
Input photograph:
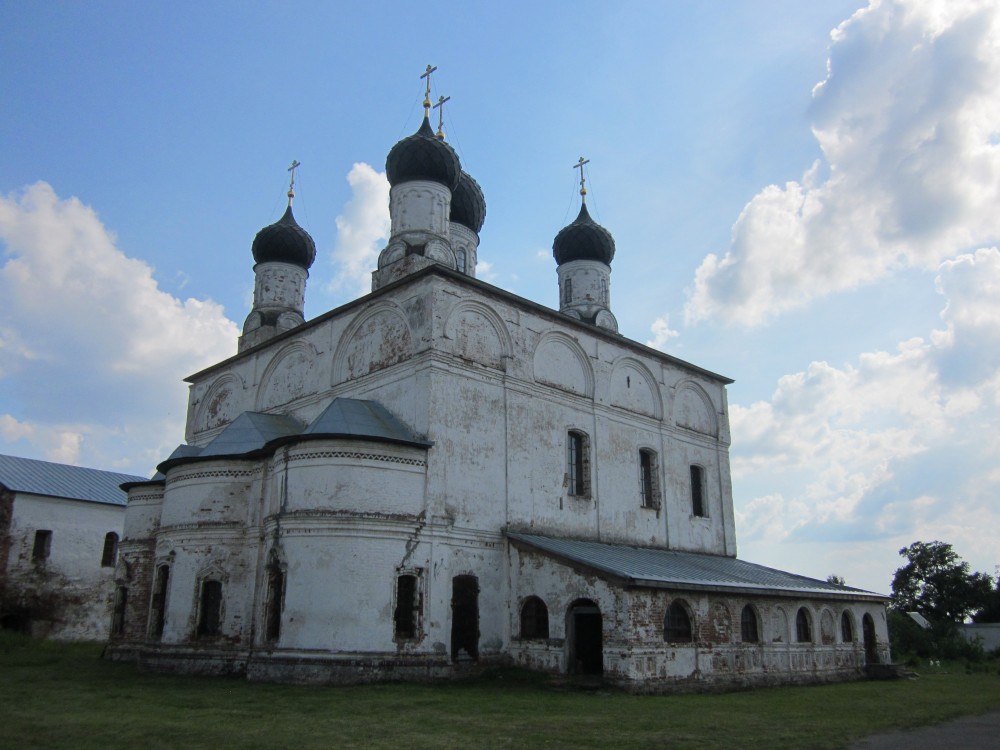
(583, 181)
(427, 93)
(291, 184)
(440, 108)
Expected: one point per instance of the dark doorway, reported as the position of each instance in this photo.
(586, 638)
(871, 642)
(464, 618)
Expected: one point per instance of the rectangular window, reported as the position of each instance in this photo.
(158, 615)
(275, 595)
(407, 614)
(567, 291)
(210, 615)
(578, 463)
(110, 554)
(649, 479)
(698, 491)
(118, 615)
(43, 545)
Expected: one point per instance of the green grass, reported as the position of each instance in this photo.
(63, 695)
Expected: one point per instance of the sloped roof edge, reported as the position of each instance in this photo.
(661, 568)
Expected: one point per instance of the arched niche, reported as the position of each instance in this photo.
(559, 361)
(289, 375)
(478, 333)
(221, 403)
(632, 387)
(693, 410)
(377, 338)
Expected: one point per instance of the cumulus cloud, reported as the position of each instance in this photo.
(92, 352)
(893, 447)
(662, 333)
(908, 121)
(362, 229)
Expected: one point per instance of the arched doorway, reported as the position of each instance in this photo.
(871, 642)
(585, 636)
(464, 618)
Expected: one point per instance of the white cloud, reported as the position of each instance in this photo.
(897, 446)
(908, 121)
(92, 352)
(362, 228)
(662, 333)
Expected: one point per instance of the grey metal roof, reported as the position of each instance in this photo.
(351, 416)
(661, 568)
(35, 477)
(250, 431)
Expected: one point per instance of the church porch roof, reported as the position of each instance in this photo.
(34, 477)
(662, 568)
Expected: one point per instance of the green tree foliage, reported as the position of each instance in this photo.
(990, 611)
(938, 584)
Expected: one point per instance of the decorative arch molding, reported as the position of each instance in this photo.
(221, 403)
(561, 362)
(632, 387)
(286, 375)
(480, 335)
(377, 338)
(693, 409)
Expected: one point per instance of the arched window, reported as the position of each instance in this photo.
(110, 555)
(677, 624)
(846, 628)
(749, 632)
(460, 260)
(578, 463)
(803, 628)
(534, 618)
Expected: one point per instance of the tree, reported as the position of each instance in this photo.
(836, 580)
(990, 611)
(937, 583)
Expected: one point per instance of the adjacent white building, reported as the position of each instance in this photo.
(442, 473)
(60, 528)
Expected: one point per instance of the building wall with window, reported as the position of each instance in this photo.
(345, 504)
(707, 648)
(59, 553)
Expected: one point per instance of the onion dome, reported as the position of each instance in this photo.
(584, 239)
(423, 156)
(284, 242)
(468, 206)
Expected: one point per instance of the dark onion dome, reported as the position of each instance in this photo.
(423, 156)
(284, 242)
(584, 239)
(468, 206)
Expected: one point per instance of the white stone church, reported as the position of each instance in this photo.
(442, 474)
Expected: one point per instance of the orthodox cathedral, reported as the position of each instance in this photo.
(441, 474)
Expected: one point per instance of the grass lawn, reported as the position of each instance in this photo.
(60, 695)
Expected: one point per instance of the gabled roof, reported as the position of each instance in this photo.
(60, 480)
(250, 431)
(660, 568)
(358, 418)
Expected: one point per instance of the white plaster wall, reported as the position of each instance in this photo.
(279, 285)
(74, 566)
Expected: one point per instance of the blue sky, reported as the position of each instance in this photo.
(803, 196)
